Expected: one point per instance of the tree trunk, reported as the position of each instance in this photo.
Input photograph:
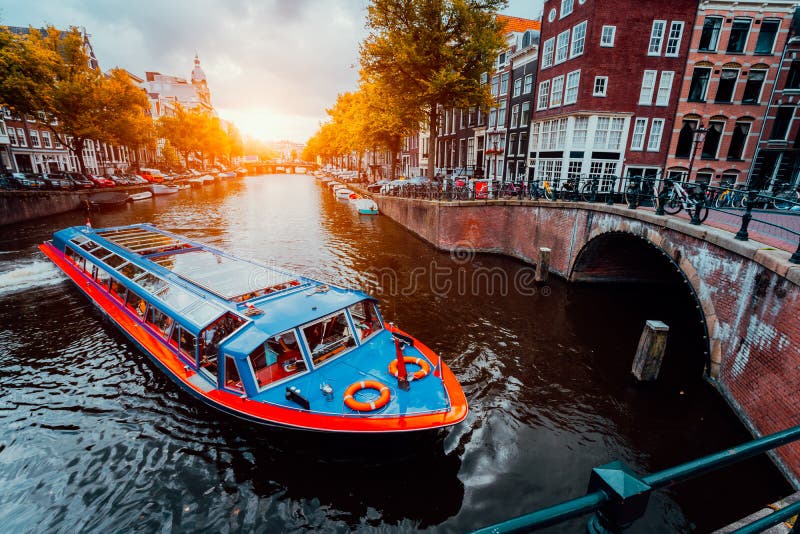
(393, 154)
(78, 149)
(432, 126)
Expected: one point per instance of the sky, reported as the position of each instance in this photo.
(272, 66)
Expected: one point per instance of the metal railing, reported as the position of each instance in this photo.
(618, 497)
(773, 215)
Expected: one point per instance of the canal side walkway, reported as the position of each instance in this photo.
(782, 528)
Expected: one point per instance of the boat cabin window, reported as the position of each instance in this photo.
(366, 319)
(159, 320)
(117, 290)
(114, 261)
(232, 379)
(328, 337)
(210, 338)
(130, 271)
(101, 276)
(73, 256)
(184, 340)
(88, 245)
(100, 252)
(136, 304)
(276, 359)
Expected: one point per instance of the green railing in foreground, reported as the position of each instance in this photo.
(618, 496)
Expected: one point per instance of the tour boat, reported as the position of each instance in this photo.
(258, 342)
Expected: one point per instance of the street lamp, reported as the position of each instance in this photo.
(699, 135)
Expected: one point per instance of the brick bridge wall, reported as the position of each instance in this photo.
(749, 293)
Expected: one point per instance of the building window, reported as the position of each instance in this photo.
(512, 144)
(517, 87)
(525, 115)
(501, 115)
(664, 88)
(492, 118)
(656, 37)
(547, 53)
(639, 130)
(656, 131)
(727, 85)
(709, 39)
(697, 90)
(515, 116)
(578, 40)
(607, 36)
(504, 83)
(495, 82)
(674, 39)
(579, 132)
(528, 84)
(766, 36)
(752, 89)
(562, 46)
(738, 38)
(793, 80)
(608, 134)
(738, 140)
(703, 178)
(573, 81)
(544, 95)
(713, 136)
(685, 139)
(12, 137)
(46, 140)
(21, 137)
(523, 143)
(780, 127)
(534, 137)
(556, 91)
(648, 86)
(600, 83)
(566, 7)
(574, 168)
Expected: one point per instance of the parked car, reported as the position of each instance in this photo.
(27, 181)
(135, 179)
(152, 175)
(57, 181)
(101, 181)
(80, 181)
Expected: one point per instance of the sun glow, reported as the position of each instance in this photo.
(267, 125)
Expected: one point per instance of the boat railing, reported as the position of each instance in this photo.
(618, 497)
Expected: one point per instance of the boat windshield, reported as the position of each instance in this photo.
(366, 319)
(328, 337)
(277, 359)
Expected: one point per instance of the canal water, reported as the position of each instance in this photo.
(94, 438)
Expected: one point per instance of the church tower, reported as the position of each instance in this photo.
(199, 81)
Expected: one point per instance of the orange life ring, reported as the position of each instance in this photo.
(359, 406)
(422, 373)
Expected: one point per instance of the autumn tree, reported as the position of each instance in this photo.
(430, 54)
(182, 129)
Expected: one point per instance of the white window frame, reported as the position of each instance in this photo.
(656, 37)
(517, 87)
(646, 93)
(664, 87)
(603, 42)
(504, 84)
(47, 141)
(514, 116)
(557, 91)
(638, 144)
(567, 6)
(578, 29)
(674, 41)
(656, 133)
(23, 142)
(548, 52)
(604, 92)
(576, 75)
(544, 91)
(562, 43)
(527, 86)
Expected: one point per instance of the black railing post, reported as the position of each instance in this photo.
(594, 184)
(610, 195)
(633, 192)
(628, 497)
(699, 196)
(742, 234)
(661, 198)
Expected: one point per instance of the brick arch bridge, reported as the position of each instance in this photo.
(747, 292)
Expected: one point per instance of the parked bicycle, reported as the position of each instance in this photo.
(641, 192)
(678, 198)
(731, 198)
(597, 187)
(787, 200)
(511, 190)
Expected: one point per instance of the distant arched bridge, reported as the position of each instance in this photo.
(747, 293)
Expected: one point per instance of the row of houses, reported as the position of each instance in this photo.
(29, 145)
(706, 90)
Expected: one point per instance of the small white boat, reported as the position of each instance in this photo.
(344, 193)
(195, 182)
(208, 179)
(161, 189)
(366, 206)
(226, 175)
(181, 187)
(144, 195)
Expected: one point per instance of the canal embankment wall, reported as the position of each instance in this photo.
(748, 293)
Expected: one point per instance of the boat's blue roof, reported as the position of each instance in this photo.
(282, 310)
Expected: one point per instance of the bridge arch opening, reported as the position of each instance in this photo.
(649, 282)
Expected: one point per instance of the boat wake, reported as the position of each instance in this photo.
(29, 275)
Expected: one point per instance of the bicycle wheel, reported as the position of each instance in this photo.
(672, 205)
(782, 204)
(549, 193)
(587, 191)
(723, 201)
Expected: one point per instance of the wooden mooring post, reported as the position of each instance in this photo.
(543, 265)
(652, 344)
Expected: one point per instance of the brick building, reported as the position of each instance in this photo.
(605, 86)
(520, 105)
(731, 68)
(776, 165)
